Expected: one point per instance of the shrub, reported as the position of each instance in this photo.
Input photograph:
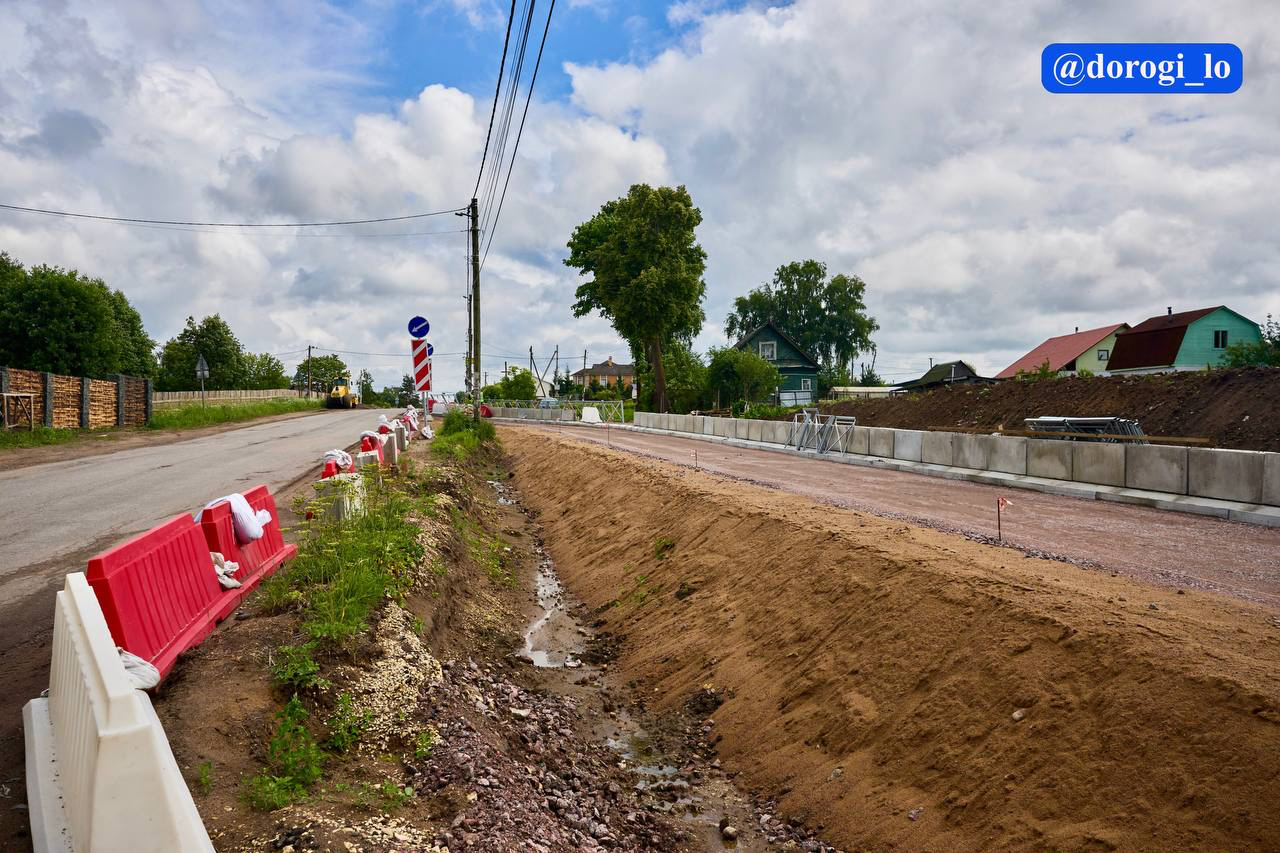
(295, 762)
(296, 668)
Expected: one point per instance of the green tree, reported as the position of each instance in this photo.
(213, 339)
(365, 385)
(58, 320)
(686, 379)
(406, 393)
(867, 375)
(1265, 352)
(741, 374)
(518, 385)
(646, 268)
(827, 317)
(264, 372)
(324, 369)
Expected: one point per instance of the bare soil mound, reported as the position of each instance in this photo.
(1232, 408)
(902, 688)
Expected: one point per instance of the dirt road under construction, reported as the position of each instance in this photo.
(1167, 548)
(908, 688)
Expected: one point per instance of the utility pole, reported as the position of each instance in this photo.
(308, 371)
(466, 361)
(474, 211)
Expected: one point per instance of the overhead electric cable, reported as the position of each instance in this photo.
(497, 89)
(516, 150)
(140, 221)
(504, 131)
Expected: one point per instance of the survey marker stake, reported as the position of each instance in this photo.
(1001, 503)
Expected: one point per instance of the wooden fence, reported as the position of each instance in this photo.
(78, 402)
(168, 399)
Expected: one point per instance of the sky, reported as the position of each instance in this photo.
(909, 143)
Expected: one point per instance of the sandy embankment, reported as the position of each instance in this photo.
(874, 669)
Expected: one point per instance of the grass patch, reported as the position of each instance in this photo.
(662, 546)
(461, 437)
(488, 552)
(40, 436)
(187, 417)
(204, 777)
(344, 572)
(294, 760)
(296, 669)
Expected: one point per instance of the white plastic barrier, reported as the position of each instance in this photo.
(100, 774)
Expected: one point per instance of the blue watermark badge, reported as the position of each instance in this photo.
(1141, 69)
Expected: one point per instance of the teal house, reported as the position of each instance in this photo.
(799, 370)
(1190, 340)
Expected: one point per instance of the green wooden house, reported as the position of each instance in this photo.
(799, 370)
(1189, 340)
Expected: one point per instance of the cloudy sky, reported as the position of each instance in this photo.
(908, 142)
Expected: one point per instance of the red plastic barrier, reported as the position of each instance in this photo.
(159, 592)
(330, 469)
(367, 444)
(485, 411)
(431, 405)
(257, 559)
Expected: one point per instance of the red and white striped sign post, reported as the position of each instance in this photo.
(421, 363)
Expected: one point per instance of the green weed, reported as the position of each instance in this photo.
(662, 546)
(295, 762)
(205, 777)
(296, 669)
(347, 726)
(424, 743)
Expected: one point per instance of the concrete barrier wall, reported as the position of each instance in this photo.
(935, 448)
(1156, 468)
(1009, 454)
(1238, 475)
(1231, 475)
(908, 444)
(880, 441)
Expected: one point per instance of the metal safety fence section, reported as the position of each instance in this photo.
(1089, 429)
(810, 430)
(610, 411)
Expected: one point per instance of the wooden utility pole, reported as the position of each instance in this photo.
(474, 212)
(466, 361)
(308, 371)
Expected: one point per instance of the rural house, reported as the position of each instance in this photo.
(1088, 350)
(606, 373)
(946, 373)
(1190, 340)
(799, 370)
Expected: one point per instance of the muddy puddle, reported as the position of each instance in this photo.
(556, 642)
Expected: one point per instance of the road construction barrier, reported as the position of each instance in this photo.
(258, 559)
(100, 774)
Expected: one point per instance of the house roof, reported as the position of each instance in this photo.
(1059, 351)
(941, 373)
(771, 325)
(1154, 342)
(607, 368)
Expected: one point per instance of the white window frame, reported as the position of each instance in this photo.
(1217, 332)
(773, 350)
(1104, 355)
(806, 384)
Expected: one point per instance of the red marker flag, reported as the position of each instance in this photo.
(1004, 502)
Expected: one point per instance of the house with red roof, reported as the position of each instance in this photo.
(1189, 340)
(1088, 350)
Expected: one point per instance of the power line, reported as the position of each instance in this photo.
(139, 221)
(504, 132)
(533, 80)
(496, 90)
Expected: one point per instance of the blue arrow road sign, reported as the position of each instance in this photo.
(430, 350)
(418, 327)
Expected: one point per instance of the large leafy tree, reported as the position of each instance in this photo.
(265, 372)
(742, 374)
(324, 369)
(686, 378)
(826, 316)
(213, 339)
(58, 320)
(646, 271)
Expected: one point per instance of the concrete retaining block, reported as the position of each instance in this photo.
(342, 495)
(1156, 468)
(755, 430)
(775, 432)
(972, 451)
(697, 424)
(741, 428)
(881, 441)
(709, 425)
(1101, 464)
(1231, 475)
(1271, 479)
(1049, 458)
(723, 427)
(391, 452)
(908, 444)
(1008, 454)
(860, 443)
(935, 448)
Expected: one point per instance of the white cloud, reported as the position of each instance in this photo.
(912, 147)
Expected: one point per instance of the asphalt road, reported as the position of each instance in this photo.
(54, 516)
(1166, 548)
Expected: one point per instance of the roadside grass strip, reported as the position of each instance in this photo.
(16, 438)
(195, 415)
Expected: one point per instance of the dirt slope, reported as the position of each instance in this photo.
(1233, 408)
(872, 670)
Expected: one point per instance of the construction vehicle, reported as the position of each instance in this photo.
(342, 395)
